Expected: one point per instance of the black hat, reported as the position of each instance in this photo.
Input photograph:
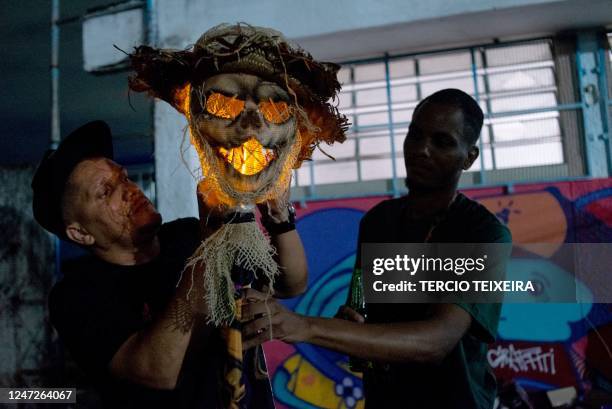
(93, 139)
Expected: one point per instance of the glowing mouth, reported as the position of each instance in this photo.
(249, 158)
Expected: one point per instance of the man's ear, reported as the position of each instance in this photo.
(79, 234)
(471, 157)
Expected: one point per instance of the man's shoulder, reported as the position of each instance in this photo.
(483, 224)
(186, 225)
(388, 208)
(78, 287)
(185, 230)
(379, 220)
(179, 239)
(79, 271)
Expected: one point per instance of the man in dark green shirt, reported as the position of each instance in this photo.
(424, 355)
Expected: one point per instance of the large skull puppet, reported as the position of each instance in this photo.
(256, 106)
(245, 131)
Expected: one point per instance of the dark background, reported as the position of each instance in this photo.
(25, 106)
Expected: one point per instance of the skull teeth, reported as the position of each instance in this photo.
(249, 158)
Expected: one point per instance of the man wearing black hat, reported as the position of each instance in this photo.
(119, 310)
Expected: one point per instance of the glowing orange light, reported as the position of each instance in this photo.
(223, 106)
(275, 112)
(249, 158)
(182, 98)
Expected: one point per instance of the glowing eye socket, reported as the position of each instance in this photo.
(226, 107)
(223, 106)
(275, 112)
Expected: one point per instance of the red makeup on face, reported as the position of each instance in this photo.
(111, 206)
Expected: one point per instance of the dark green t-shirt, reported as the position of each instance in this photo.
(464, 379)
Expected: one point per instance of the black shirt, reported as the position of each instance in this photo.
(98, 305)
(463, 380)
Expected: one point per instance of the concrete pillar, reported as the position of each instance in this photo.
(175, 183)
(588, 66)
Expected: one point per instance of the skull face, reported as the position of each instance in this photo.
(244, 128)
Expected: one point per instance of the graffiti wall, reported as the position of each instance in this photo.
(541, 346)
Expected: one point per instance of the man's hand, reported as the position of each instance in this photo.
(276, 209)
(264, 318)
(347, 313)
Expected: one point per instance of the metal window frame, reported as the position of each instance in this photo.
(309, 192)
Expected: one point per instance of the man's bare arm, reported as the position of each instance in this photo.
(291, 261)
(429, 340)
(290, 257)
(154, 356)
(426, 341)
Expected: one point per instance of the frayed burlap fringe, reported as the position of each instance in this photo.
(241, 244)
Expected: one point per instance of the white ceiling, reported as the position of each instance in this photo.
(464, 29)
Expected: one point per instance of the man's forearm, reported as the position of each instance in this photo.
(154, 355)
(400, 342)
(292, 263)
(427, 341)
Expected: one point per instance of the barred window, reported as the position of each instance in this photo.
(515, 85)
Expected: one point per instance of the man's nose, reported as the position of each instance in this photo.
(425, 150)
(250, 117)
(421, 149)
